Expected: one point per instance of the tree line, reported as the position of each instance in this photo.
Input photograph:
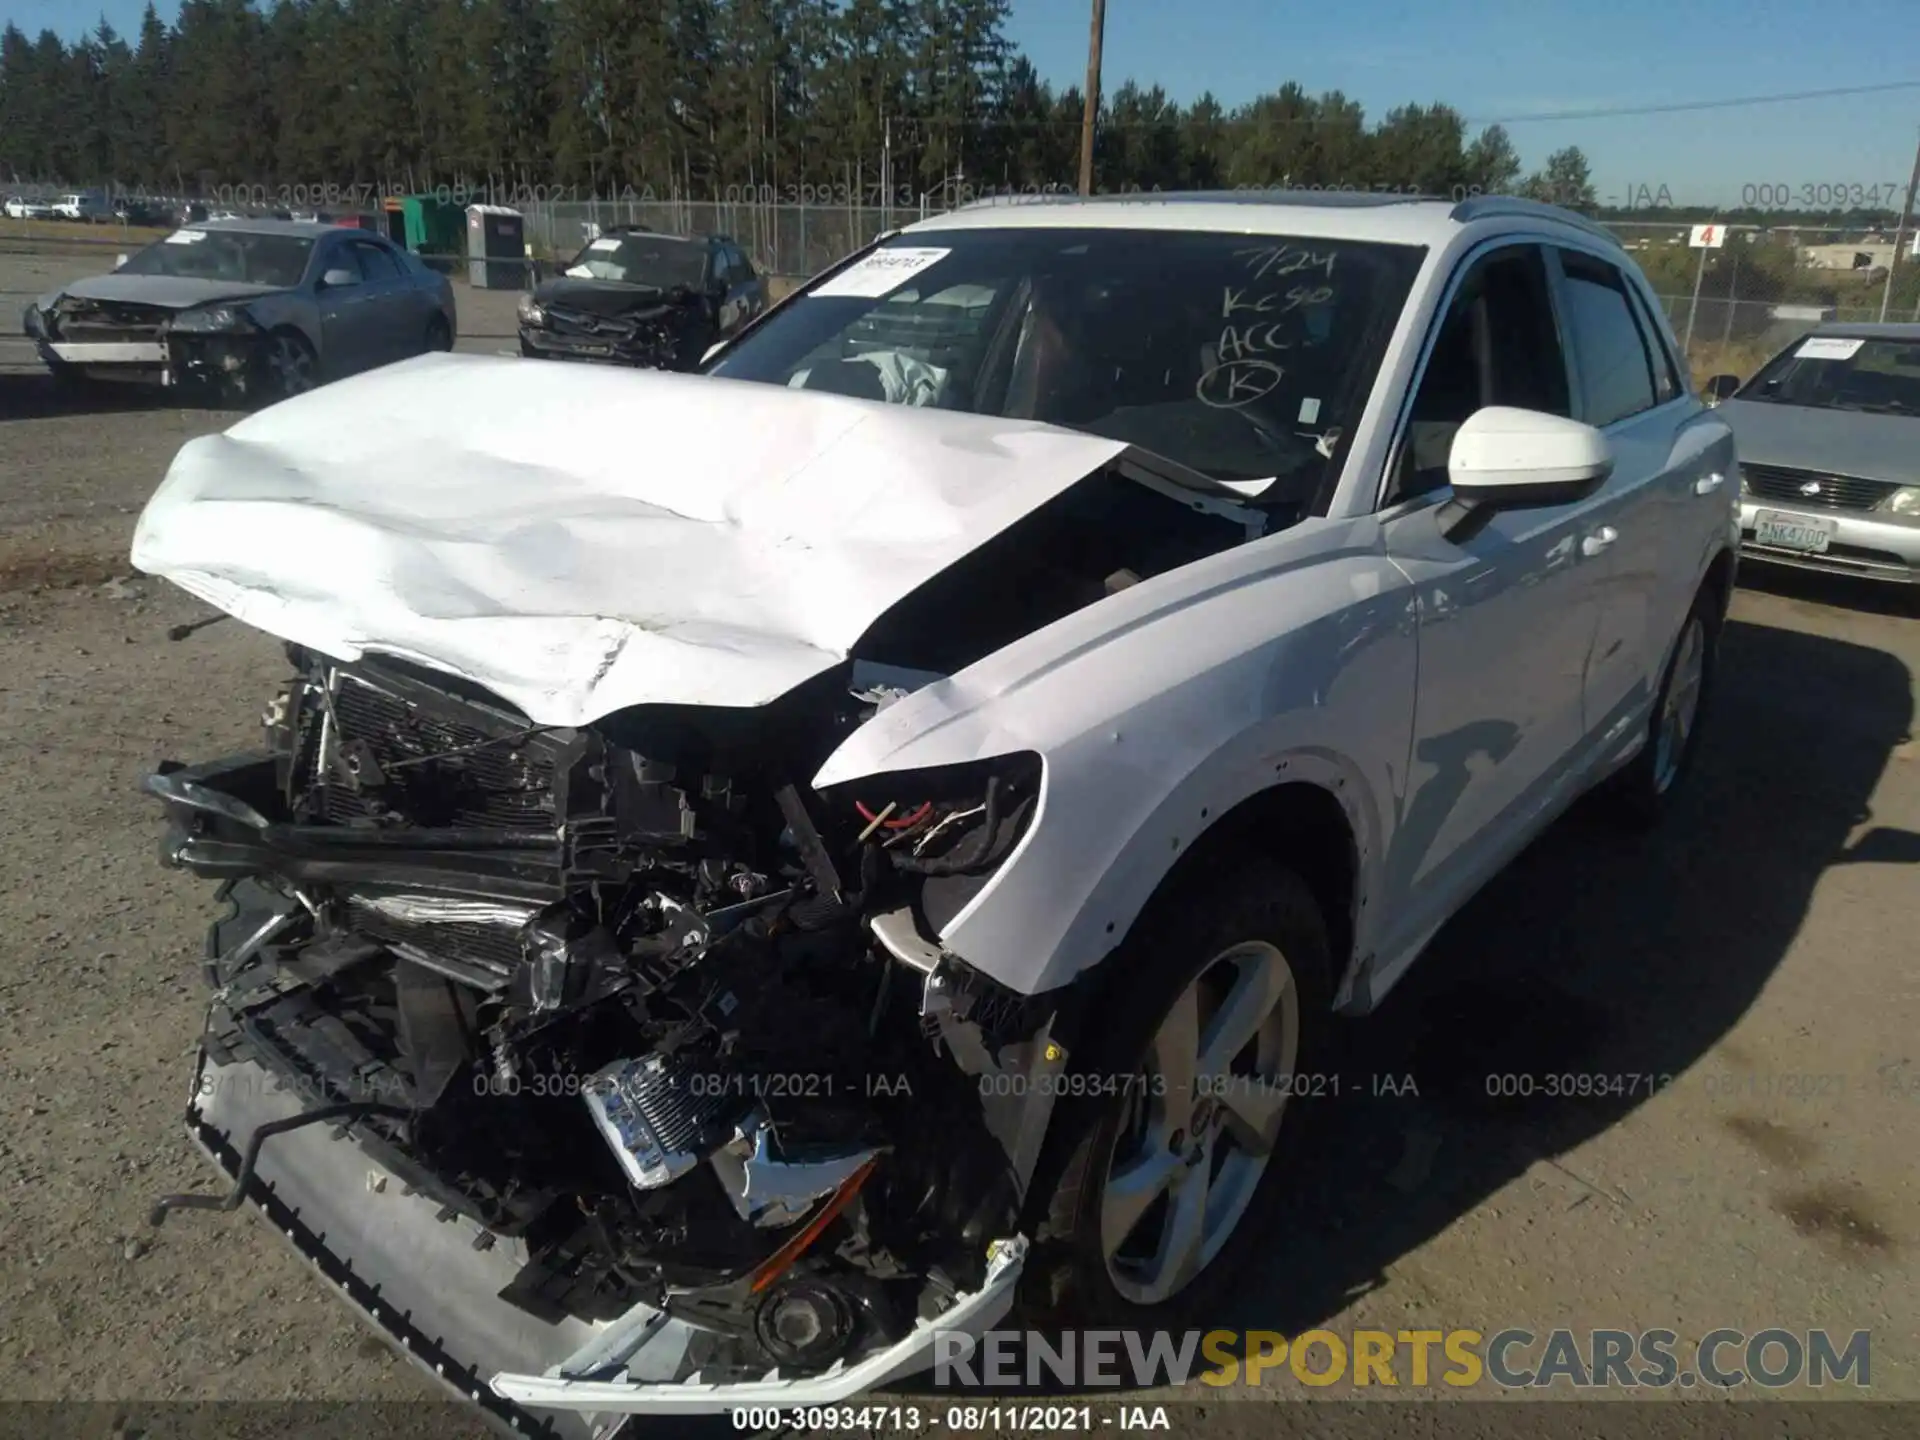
(830, 99)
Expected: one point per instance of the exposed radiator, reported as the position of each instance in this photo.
(499, 780)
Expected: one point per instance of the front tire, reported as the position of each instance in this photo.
(287, 366)
(1223, 1009)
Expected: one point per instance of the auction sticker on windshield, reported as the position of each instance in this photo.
(1828, 347)
(882, 272)
(186, 237)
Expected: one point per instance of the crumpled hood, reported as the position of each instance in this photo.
(578, 541)
(176, 292)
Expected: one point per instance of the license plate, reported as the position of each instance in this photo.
(1793, 532)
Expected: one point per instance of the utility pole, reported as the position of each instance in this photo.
(1900, 234)
(1093, 97)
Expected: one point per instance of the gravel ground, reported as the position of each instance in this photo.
(1755, 960)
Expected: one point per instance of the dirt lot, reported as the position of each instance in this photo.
(1755, 960)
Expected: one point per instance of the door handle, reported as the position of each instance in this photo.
(1599, 540)
(1707, 484)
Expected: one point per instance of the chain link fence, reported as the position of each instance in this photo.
(1732, 306)
(788, 240)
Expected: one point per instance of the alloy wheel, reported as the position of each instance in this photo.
(1682, 705)
(1198, 1128)
(291, 365)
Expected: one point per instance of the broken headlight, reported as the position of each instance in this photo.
(530, 312)
(211, 319)
(948, 820)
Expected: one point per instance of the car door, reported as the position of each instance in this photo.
(347, 339)
(1625, 385)
(720, 285)
(395, 323)
(749, 290)
(1506, 605)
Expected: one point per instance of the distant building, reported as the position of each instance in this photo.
(1870, 254)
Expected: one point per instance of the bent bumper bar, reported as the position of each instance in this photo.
(429, 1281)
(126, 352)
(974, 1314)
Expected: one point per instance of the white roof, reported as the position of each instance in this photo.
(1331, 214)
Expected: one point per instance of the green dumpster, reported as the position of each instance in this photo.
(426, 224)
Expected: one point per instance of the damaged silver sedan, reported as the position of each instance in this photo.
(747, 872)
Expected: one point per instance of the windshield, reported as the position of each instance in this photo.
(1245, 357)
(236, 255)
(1832, 372)
(662, 261)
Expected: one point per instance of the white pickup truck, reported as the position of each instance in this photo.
(87, 207)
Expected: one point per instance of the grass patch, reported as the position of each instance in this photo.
(72, 232)
(1738, 357)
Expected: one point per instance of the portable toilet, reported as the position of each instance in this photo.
(496, 248)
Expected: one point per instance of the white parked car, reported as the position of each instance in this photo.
(765, 865)
(18, 207)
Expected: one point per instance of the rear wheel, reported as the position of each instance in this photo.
(439, 334)
(1200, 1097)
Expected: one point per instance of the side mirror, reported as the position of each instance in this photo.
(1721, 387)
(1506, 459)
(335, 279)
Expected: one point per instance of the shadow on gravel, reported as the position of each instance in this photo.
(29, 395)
(1596, 954)
(1842, 592)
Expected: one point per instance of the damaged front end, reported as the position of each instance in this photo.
(643, 1087)
(216, 348)
(658, 330)
(210, 347)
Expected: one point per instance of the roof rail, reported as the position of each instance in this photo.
(1483, 207)
(1251, 195)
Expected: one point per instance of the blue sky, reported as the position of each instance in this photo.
(1503, 59)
